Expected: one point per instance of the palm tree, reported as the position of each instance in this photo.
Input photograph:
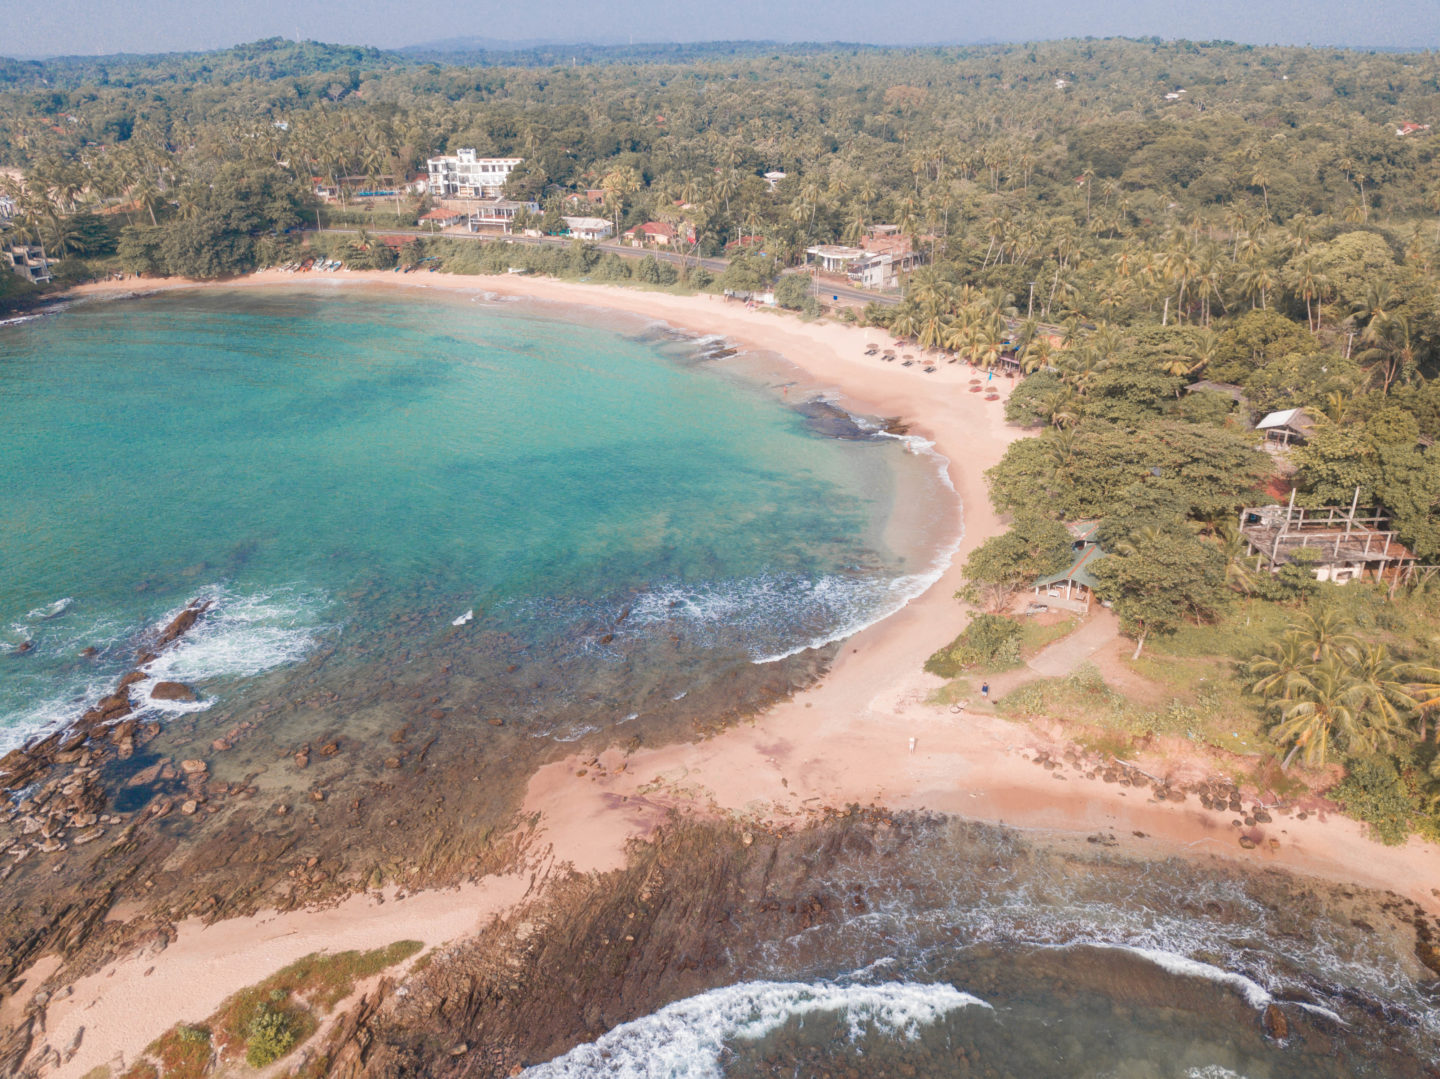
(1241, 567)
(1323, 710)
(1280, 668)
(1391, 688)
(1312, 285)
(1058, 408)
(1326, 635)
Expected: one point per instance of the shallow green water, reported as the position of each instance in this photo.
(352, 470)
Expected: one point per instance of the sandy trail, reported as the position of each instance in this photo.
(846, 740)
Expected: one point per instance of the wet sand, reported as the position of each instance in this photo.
(847, 740)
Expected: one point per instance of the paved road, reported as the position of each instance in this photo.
(715, 265)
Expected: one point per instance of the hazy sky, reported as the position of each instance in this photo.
(48, 27)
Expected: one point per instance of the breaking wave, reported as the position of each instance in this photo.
(244, 634)
(241, 636)
(687, 1039)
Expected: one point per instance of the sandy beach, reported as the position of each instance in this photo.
(864, 735)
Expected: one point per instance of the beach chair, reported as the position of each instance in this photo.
(908, 363)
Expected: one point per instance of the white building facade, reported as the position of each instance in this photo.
(588, 228)
(466, 176)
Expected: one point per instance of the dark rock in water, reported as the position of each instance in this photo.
(23, 647)
(826, 419)
(131, 678)
(173, 691)
(1276, 1025)
(89, 652)
(183, 622)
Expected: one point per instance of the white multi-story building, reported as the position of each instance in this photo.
(466, 176)
(27, 260)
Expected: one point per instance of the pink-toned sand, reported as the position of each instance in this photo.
(846, 740)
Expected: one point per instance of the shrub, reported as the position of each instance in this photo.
(792, 290)
(270, 1037)
(989, 640)
(1373, 791)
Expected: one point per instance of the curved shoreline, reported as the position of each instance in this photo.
(846, 740)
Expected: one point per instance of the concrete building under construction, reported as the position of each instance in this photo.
(1350, 543)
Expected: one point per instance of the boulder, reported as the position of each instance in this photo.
(182, 623)
(1275, 1023)
(23, 647)
(173, 691)
(194, 767)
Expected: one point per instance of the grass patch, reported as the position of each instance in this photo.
(952, 692)
(283, 1010)
(183, 1052)
(1036, 636)
(1247, 629)
(266, 1021)
(1208, 712)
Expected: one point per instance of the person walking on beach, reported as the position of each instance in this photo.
(985, 690)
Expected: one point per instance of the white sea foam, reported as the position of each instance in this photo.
(466, 617)
(1212, 1071)
(50, 610)
(766, 613)
(686, 1040)
(1256, 995)
(242, 635)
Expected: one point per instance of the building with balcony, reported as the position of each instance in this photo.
(466, 176)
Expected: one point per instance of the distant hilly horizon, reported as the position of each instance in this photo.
(499, 50)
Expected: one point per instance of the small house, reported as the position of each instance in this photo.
(834, 258)
(773, 178)
(657, 234)
(443, 218)
(499, 214)
(588, 228)
(1287, 428)
(1073, 588)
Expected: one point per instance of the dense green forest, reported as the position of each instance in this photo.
(1123, 218)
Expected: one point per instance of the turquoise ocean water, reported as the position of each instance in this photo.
(346, 472)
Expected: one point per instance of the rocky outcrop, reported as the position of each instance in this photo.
(173, 691)
(183, 622)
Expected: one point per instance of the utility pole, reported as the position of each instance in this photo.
(1030, 307)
